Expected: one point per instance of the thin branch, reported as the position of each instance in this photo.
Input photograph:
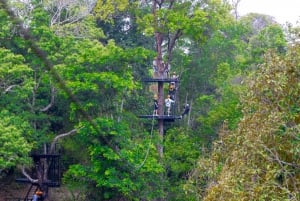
(275, 157)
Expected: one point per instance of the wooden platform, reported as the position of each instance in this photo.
(48, 183)
(160, 80)
(164, 117)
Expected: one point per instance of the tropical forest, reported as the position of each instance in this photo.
(147, 100)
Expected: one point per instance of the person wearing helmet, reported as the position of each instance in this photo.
(186, 110)
(37, 195)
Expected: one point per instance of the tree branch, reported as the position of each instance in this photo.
(51, 151)
(27, 175)
(9, 88)
(51, 101)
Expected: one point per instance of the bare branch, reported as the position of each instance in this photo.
(51, 101)
(61, 136)
(235, 4)
(73, 11)
(9, 88)
(27, 176)
(275, 157)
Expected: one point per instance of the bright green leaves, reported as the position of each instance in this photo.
(106, 9)
(112, 80)
(195, 25)
(102, 72)
(115, 160)
(186, 17)
(16, 82)
(14, 146)
(182, 149)
(146, 23)
(13, 71)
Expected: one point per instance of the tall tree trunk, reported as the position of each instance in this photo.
(161, 121)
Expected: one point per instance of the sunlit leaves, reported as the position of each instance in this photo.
(14, 146)
(13, 71)
(105, 10)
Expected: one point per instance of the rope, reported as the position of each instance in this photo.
(148, 149)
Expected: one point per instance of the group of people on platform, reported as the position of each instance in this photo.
(170, 99)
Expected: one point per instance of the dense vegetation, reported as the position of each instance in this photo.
(70, 82)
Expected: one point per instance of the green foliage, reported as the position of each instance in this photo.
(182, 149)
(113, 157)
(85, 28)
(115, 173)
(14, 144)
(5, 26)
(193, 20)
(217, 71)
(13, 70)
(270, 37)
(16, 136)
(224, 105)
(106, 9)
(102, 73)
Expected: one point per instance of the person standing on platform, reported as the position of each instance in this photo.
(155, 105)
(172, 91)
(168, 103)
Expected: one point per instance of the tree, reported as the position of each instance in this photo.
(170, 21)
(14, 141)
(218, 69)
(259, 159)
(16, 134)
(79, 81)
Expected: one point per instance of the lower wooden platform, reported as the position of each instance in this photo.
(164, 117)
(48, 183)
